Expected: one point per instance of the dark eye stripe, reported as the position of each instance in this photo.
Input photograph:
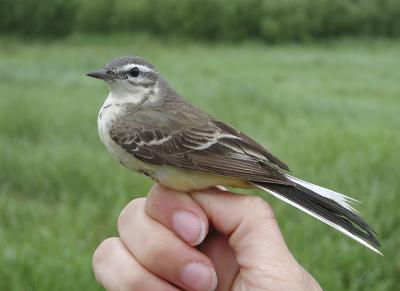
(149, 75)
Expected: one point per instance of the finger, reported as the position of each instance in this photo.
(116, 269)
(217, 248)
(178, 212)
(161, 252)
(169, 206)
(250, 224)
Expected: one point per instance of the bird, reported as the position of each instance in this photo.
(149, 128)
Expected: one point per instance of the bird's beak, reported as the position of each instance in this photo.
(100, 74)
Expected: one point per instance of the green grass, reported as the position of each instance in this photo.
(331, 111)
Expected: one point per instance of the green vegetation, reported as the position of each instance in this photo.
(269, 20)
(330, 110)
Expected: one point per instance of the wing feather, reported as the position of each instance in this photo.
(217, 149)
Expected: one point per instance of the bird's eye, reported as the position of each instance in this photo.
(134, 72)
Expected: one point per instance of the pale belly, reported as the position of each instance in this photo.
(187, 180)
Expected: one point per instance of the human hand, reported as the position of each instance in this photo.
(165, 244)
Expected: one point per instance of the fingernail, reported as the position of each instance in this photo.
(189, 227)
(199, 277)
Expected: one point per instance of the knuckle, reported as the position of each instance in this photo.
(154, 200)
(151, 254)
(135, 281)
(159, 197)
(129, 211)
(103, 252)
(107, 270)
(260, 208)
(157, 189)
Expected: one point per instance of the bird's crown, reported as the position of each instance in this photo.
(127, 60)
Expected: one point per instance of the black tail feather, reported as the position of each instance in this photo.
(325, 208)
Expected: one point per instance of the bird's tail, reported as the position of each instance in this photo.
(326, 205)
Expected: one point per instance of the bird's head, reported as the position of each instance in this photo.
(128, 76)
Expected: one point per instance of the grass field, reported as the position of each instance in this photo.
(331, 111)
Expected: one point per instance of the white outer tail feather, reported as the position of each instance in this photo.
(339, 198)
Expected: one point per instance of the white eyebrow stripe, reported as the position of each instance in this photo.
(141, 68)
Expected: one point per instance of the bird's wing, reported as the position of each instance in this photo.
(213, 148)
(251, 147)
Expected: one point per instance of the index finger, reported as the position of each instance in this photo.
(178, 212)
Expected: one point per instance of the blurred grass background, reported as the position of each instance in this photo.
(327, 105)
(330, 110)
(267, 20)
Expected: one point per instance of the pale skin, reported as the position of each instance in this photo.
(200, 241)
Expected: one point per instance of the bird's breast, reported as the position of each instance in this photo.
(108, 114)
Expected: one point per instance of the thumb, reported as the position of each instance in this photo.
(249, 223)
